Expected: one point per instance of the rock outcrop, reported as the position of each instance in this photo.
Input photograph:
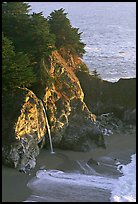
(110, 97)
(24, 129)
(72, 125)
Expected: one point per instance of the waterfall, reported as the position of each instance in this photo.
(48, 127)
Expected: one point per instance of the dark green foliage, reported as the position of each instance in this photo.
(59, 24)
(15, 8)
(15, 23)
(28, 41)
(95, 74)
(29, 33)
(42, 41)
(16, 68)
(66, 35)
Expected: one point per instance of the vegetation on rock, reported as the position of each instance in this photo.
(16, 67)
(29, 39)
(42, 54)
(66, 36)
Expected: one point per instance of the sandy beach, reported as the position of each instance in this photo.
(118, 146)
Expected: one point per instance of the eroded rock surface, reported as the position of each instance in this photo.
(71, 123)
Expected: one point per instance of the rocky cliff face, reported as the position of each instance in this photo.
(66, 109)
(102, 96)
(72, 124)
(23, 138)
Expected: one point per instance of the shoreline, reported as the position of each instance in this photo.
(14, 183)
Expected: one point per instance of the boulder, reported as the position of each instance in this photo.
(24, 129)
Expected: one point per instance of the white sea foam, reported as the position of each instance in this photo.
(44, 176)
(124, 189)
(55, 185)
(107, 132)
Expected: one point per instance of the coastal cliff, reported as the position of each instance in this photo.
(70, 96)
(103, 96)
(71, 123)
(42, 70)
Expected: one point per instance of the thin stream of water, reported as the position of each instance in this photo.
(48, 128)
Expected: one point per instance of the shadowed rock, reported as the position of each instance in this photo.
(103, 97)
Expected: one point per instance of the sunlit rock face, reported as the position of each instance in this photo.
(71, 123)
(31, 121)
(28, 131)
(64, 98)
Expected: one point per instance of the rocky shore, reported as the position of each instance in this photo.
(81, 109)
(105, 97)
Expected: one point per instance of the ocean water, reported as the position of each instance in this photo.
(60, 186)
(109, 32)
(124, 190)
(69, 176)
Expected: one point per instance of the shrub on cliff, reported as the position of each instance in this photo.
(31, 39)
(16, 68)
(29, 32)
(66, 35)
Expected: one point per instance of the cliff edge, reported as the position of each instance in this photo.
(72, 124)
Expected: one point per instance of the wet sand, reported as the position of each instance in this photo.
(14, 184)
